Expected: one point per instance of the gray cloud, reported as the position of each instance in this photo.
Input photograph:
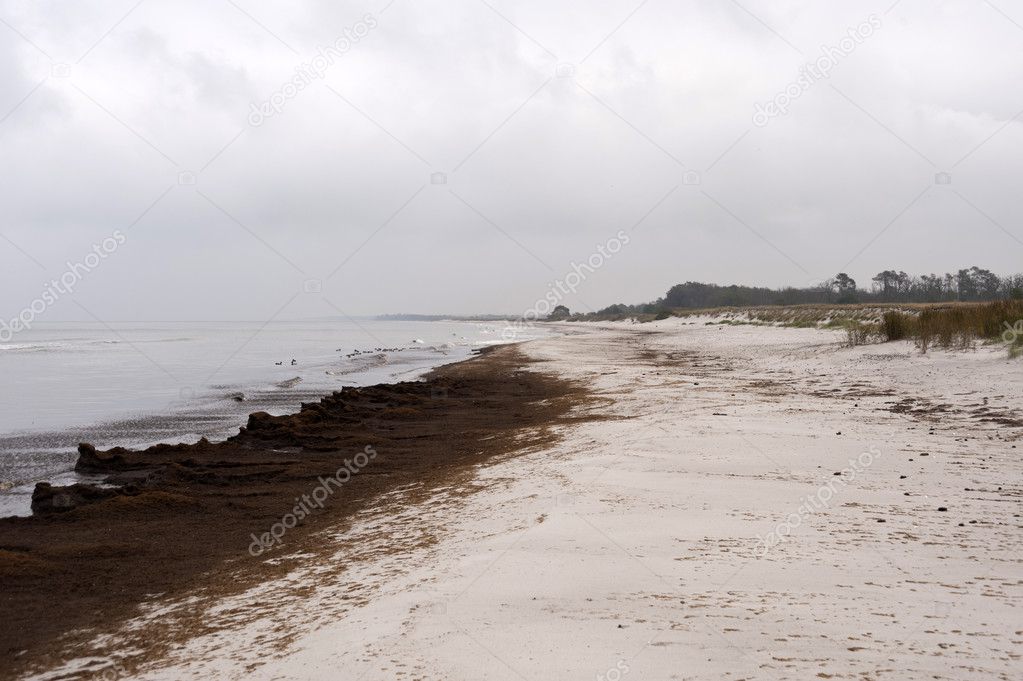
(542, 162)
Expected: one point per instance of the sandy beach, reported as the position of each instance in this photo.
(508, 340)
(740, 502)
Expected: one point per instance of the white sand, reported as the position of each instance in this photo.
(631, 550)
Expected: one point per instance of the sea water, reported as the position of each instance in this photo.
(137, 384)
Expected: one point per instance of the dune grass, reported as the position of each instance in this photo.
(952, 326)
(959, 326)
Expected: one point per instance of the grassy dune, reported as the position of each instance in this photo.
(954, 326)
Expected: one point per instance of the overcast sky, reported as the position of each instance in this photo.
(555, 125)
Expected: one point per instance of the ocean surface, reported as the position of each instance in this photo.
(137, 384)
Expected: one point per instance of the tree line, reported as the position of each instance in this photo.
(889, 286)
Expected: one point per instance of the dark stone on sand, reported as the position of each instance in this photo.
(87, 457)
(92, 461)
(942, 508)
(47, 499)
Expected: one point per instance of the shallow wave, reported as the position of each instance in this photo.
(35, 347)
(73, 344)
(358, 364)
